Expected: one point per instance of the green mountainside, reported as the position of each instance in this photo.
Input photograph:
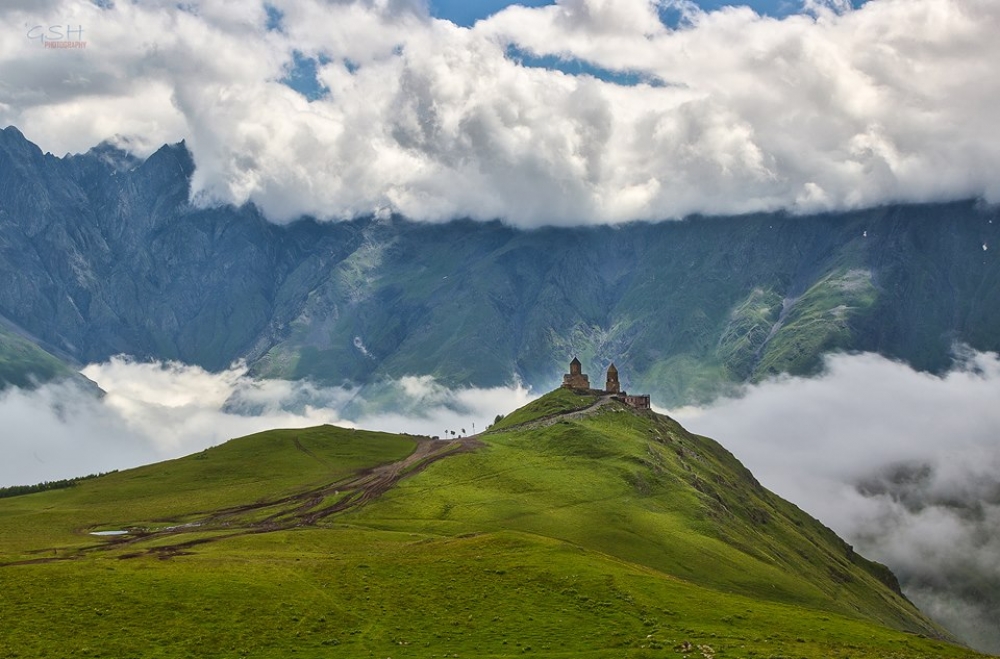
(686, 308)
(577, 527)
(24, 364)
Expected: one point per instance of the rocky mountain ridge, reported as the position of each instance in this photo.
(105, 254)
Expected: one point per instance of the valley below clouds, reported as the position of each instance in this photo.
(903, 464)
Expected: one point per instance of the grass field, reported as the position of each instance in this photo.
(256, 467)
(614, 535)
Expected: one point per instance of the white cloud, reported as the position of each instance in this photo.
(58, 432)
(156, 411)
(834, 108)
(905, 465)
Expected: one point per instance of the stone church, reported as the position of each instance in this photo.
(575, 379)
(578, 380)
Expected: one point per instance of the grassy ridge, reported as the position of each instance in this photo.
(263, 465)
(641, 488)
(614, 535)
(556, 402)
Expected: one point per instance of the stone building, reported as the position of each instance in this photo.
(612, 386)
(640, 402)
(576, 379)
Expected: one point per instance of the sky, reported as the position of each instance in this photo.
(570, 113)
(467, 12)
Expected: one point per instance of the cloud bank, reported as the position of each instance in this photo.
(158, 411)
(904, 465)
(831, 108)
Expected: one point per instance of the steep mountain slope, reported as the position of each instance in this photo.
(24, 363)
(105, 255)
(583, 528)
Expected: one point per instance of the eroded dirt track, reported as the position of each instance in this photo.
(301, 509)
(296, 510)
(310, 507)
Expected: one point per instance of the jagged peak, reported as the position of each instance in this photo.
(170, 161)
(12, 131)
(114, 155)
(12, 137)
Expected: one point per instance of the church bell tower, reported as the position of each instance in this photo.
(612, 386)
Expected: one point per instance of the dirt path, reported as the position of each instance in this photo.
(302, 509)
(312, 506)
(297, 510)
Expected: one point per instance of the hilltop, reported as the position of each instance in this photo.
(576, 526)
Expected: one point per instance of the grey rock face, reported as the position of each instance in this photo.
(102, 253)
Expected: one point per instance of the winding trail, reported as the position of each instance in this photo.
(312, 506)
(302, 509)
(293, 511)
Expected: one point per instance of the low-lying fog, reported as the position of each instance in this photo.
(902, 464)
(156, 411)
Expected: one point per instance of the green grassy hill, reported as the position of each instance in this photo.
(575, 528)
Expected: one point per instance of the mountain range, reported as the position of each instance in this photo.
(105, 253)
